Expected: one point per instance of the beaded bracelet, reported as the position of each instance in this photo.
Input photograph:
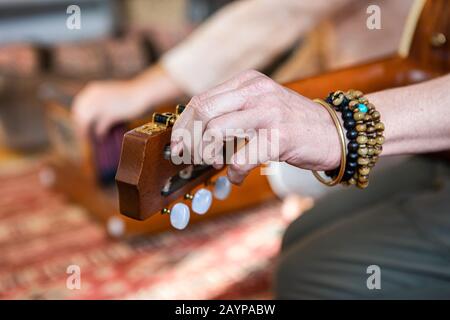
(364, 132)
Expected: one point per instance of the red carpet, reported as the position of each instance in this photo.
(41, 234)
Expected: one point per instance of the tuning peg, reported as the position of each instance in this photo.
(179, 215)
(222, 188)
(201, 201)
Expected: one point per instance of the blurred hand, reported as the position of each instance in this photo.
(251, 101)
(101, 104)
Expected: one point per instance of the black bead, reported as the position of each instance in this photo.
(352, 165)
(347, 114)
(348, 174)
(353, 145)
(349, 124)
(352, 156)
(352, 134)
(329, 99)
(345, 102)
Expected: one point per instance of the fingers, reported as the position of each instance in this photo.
(207, 109)
(229, 124)
(89, 115)
(83, 114)
(245, 103)
(198, 114)
(231, 84)
(244, 160)
(102, 125)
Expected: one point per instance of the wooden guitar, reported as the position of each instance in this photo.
(148, 182)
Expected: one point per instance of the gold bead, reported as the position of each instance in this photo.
(371, 141)
(165, 211)
(378, 149)
(352, 104)
(363, 161)
(376, 115)
(363, 100)
(338, 100)
(358, 116)
(352, 181)
(380, 140)
(361, 127)
(188, 196)
(379, 126)
(367, 117)
(363, 178)
(374, 159)
(357, 93)
(363, 185)
(361, 139)
(349, 96)
(370, 129)
(371, 151)
(362, 151)
(370, 106)
(364, 171)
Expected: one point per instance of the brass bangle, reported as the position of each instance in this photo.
(341, 134)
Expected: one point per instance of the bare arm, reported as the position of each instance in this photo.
(416, 118)
(235, 39)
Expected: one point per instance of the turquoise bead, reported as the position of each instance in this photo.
(362, 108)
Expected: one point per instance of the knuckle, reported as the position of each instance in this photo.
(250, 73)
(265, 84)
(203, 110)
(238, 169)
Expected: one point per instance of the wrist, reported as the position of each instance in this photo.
(332, 152)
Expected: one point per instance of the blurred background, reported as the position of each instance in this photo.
(58, 205)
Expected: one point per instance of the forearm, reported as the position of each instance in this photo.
(416, 118)
(236, 39)
(155, 86)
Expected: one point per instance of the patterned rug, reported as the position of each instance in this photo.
(41, 234)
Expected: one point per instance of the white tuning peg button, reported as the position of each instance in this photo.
(179, 216)
(222, 188)
(201, 202)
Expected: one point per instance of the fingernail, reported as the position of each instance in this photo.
(217, 166)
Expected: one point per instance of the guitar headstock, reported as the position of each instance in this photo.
(149, 183)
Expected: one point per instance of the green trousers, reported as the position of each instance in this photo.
(390, 241)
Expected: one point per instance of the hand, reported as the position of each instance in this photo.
(102, 104)
(307, 137)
